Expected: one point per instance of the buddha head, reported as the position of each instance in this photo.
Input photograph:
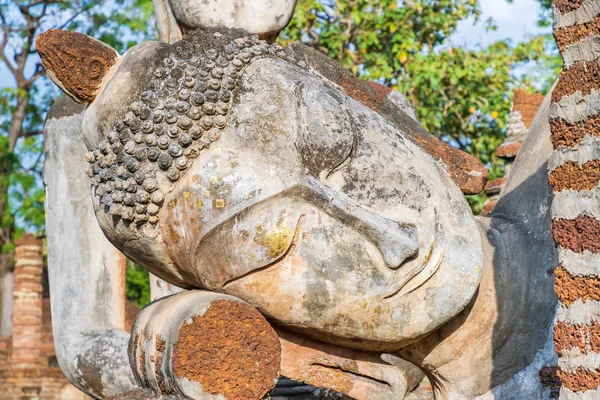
(277, 187)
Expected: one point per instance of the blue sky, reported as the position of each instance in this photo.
(516, 21)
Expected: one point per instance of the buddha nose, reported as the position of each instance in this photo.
(397, 244)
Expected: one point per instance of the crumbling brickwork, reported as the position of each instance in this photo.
(28, 367)
(574, 175)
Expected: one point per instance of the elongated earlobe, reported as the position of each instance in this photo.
(76, 63)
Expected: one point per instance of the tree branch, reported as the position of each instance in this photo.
(31, 134)
(39, 72)
(4, 43)
(78, 13)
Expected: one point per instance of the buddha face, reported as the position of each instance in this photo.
(255, 16)
(347, 230)
(219, 164)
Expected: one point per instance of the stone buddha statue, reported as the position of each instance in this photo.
(322, 232)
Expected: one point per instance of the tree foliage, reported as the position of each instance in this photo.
(138, 285)
(26, 94)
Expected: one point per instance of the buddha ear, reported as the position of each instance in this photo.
(76, 63)
(168, 28)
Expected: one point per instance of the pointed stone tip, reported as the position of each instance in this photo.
(75, 62)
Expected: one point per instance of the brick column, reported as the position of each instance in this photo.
(574, 173)
(27, 303)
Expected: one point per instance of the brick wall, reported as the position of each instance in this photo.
(28, 369)
(27, 303)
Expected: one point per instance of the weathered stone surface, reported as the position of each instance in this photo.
(263, 17)
(75, 62)
(316, 203)
(335, 160)
(524, 109)
(86, 273)
(485, 332)
(246, 368)
(205, 345)
(299, 190)
(575, 33)
(360, 375)
(466, 171)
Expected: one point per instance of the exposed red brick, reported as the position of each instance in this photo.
(488, 207)
(569, 135)
(25, 319)
(381, 91)
(27, 304)
(161, 346)
(509, 150)
(565, 6)
(25, 240)
(231, 350)
(581, 380)
(495, 185)
(131, 312)
(527, 104)
(570, 288)
(575, 33)
(579, 234)
(583, 77)
(573, 176)
(586, 338)
(77, 61)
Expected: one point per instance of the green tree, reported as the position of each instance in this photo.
(138, 285)
(545, 17)
(27, 94)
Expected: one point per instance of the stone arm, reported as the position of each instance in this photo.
(87, 274)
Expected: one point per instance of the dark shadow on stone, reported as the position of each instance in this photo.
(524, 263)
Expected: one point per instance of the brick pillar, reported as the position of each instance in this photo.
(574, 173)
(27, 303)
